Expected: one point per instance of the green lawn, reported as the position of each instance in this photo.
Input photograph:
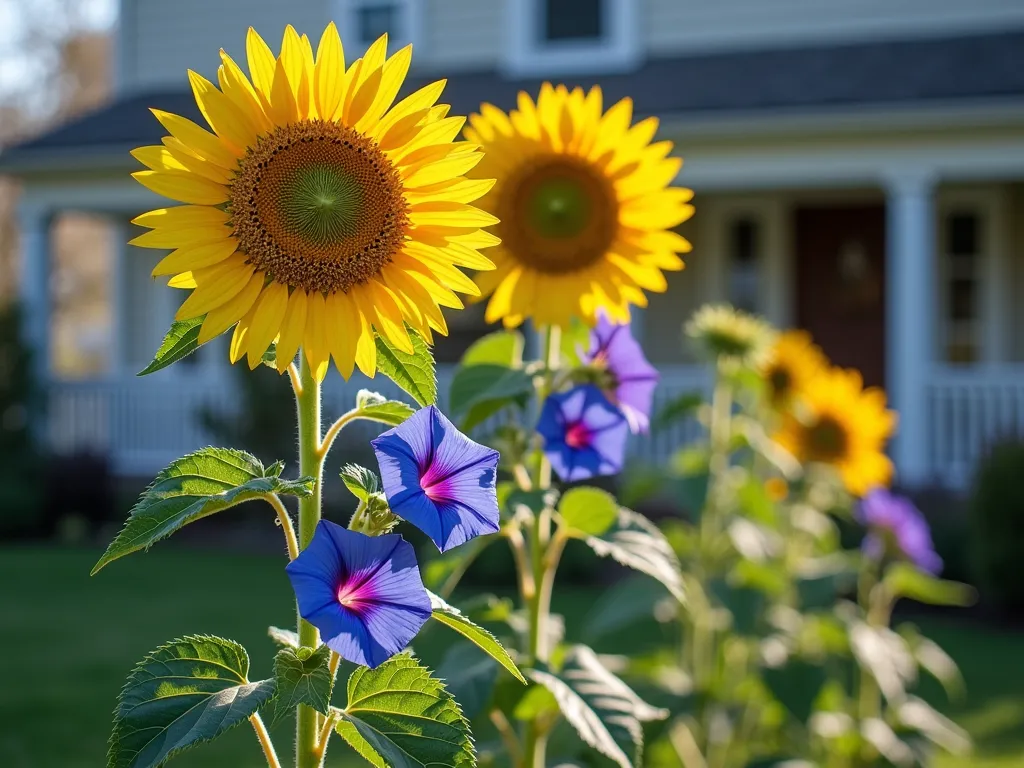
(68, 642)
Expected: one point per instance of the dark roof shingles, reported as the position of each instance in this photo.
(849, 74)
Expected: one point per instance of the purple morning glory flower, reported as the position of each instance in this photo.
(633, 379)
(364, 593)
(584, 434)
(438, 479)
(894, 520)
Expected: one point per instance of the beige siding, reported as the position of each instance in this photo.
(462, 34)
(164, 38)
(671, 26)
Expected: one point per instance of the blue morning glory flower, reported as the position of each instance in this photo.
(438, 479)
(364, 593)
(584, 434)
(894, 521)
(633, 379)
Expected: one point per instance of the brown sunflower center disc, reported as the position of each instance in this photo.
(826, 440)
(318, 206)
(558, 215)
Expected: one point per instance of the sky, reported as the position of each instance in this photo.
(18, 17)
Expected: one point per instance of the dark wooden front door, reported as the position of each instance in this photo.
(840, 284)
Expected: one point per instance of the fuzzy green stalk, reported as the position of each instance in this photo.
(877, 607)
(545, 552)
(307, 397)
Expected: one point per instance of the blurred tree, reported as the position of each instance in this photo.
(19, 456)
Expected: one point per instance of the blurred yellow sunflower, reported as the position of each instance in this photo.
(316, 213)
(838, 422)
(795, 361)
(585, 206)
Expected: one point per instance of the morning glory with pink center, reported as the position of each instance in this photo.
(632, 379)
(438, 479)
(364, 593)
(584, 434)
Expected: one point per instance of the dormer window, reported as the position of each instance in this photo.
(573, 20)
(570, 36)
(363, 21)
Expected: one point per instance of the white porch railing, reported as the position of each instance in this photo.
(143, 424)
(968, 410)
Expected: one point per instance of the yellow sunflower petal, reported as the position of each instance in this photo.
(239, 90)
(283, 107)
(392, 76)
(239, 339)
(266, 322)
(199, 140)
(345, 327)
(223, 317)
(261, 64)
(315, 345)
(446, 214)
(366, 348)
(181, 216)
(185, 281)
(194, 257)
(293, 327)
(188, 189)
(196, 164)
(419, 100)
(227, 121)
(458, 191)
(443, 170)
(215, 288)
(177, 238)
(329, 73)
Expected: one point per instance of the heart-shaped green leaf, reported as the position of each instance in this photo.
(414, 373)
(398, 716)
(193, 487)
(634, 541)
(183, 693)
(303, 676)
(452, 617)
(588, 511)
(503, 348)
(479, 391)
(605, 712)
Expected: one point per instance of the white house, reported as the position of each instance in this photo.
(858, 164)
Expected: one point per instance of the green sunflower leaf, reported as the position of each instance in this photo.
(399, 716)
(414, 373)
(186, 692)
(588, 511)
(452, 617)
(635, 542)
(196, 486)
(479, 391)
(303, 676)
(605, 712)
(376, 407)
(181, 341)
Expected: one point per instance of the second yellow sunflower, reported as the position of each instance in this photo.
(585, 206)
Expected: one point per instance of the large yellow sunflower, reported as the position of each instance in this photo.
(838, 422)
(316, 212)
(795, 361)
(585, 206)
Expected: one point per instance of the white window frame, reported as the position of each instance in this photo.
(992, 274)
(527, 54)
(348, 25)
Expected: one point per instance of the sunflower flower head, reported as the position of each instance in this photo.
(585, 206)
(839, 423)
(316, 212)
(794, 361)
(722, 332)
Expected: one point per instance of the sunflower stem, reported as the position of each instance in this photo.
(307, 398)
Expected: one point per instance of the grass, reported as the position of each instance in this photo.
(69, 641)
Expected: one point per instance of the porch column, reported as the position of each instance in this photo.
(34, 226)
(910, 317)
